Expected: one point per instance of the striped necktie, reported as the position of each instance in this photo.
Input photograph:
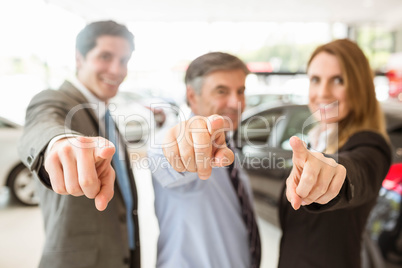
(247, 214)
(123, 179)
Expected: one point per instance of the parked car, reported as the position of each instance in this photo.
(13, 173)
(385, 221)
(256, 99)
(264, 151)
(275, 98)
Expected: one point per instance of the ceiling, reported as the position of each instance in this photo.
(387, 13)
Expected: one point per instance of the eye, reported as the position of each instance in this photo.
(221, 90)
(314, 80)
(338, 81)
(105, 56)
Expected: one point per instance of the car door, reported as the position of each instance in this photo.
(265, 153)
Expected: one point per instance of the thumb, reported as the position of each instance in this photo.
(106, 191)
(300, 152)
(291, 185)
(223, 157)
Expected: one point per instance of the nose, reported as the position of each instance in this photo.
(235, 101)
(324, 90)
(116, 68)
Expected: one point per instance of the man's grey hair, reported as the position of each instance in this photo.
(208, 63)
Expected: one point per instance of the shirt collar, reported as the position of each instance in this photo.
(91, 98)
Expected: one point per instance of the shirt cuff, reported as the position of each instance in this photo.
(55, 139)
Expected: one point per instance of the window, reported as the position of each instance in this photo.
(257, 129)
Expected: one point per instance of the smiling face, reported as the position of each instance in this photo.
(104, 67)
(327, 92)
(222, 93)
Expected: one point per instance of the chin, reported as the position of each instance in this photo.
(111, 93)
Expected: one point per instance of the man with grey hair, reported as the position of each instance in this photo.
(204, 208)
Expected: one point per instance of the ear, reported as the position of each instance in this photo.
(192, 98)
(79, 59)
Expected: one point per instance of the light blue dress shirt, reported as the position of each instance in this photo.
(200, 220)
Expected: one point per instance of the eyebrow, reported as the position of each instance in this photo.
(112, 54)
(218, 87)
(332, 77)
(226, 87)
(106, 51)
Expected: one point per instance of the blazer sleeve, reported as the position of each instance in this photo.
(45, 119)
(367, 158)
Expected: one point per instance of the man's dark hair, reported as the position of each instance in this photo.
(86, 38)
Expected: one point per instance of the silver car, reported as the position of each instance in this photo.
(13, 173)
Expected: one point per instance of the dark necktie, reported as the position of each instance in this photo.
(247, 214)
(121, 174)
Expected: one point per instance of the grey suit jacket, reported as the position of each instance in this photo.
(77, 234)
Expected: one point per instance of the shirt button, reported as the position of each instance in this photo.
(126, 260)
(123, 218)
(135, 212)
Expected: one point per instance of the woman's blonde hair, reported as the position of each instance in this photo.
(364, 110)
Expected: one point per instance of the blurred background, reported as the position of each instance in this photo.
(275, 39)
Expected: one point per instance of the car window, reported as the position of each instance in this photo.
(255, 100)
(257, 129)
(297, 121)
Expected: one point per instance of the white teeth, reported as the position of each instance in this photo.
(110, 82)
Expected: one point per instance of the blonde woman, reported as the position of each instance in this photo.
(334, 185)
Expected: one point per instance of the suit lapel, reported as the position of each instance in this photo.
(70, 90)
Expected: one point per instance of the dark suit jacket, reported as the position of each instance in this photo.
(330, 235)
(77, 234)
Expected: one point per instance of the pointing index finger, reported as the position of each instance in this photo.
(291, 185)
(300, 152)
(223, 156)
(202, 147)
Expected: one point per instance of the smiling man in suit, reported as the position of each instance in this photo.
(66, 144)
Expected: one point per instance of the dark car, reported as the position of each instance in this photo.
(264, 151)
(385, 221)
(263, 142)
